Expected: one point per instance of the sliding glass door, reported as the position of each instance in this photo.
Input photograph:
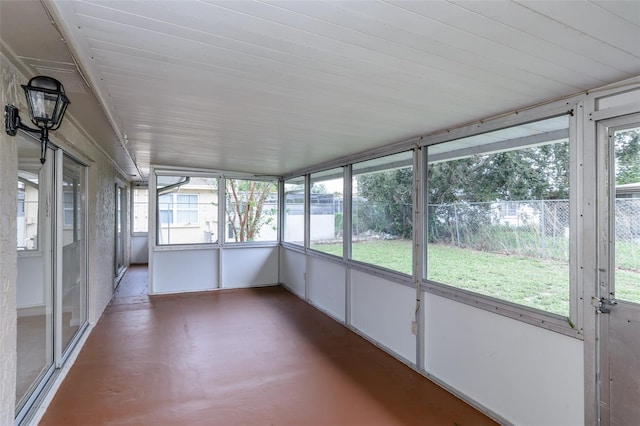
(34, 295)
(120, 232)
(74, 275)
(51, 241)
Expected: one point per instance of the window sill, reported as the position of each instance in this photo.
(546, 320)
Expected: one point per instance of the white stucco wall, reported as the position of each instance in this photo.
(101, 211)
(8, 253)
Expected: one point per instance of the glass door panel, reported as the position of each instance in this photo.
(74, 276)
(626, 144)
(619, 321)
(34, 295)
(119, 231)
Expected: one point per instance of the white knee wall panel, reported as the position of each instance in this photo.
(292, 270)
(248, 267)
(176, 271)
(384, 311)
(326, 281)
(530, 375)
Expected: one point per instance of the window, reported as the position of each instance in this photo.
(498, 203)
(178, 209)
(252, 210)
(382, 212)
(68, 205)
(140, 210)
(294, 194)
(187, 208)
(509, 209)
(326, 211)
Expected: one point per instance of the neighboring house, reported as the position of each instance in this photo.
(516, 213)
(628, 190)
(189, 215)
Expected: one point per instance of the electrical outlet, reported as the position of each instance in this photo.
(414, 328)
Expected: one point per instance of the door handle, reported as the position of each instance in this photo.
(604, 304)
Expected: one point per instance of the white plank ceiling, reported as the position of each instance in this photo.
(271, 87)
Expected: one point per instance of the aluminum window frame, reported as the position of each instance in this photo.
(132, 205)
(226, 241)
(571, 325)
(302, 246)
(154, 225)
(376, 167)
(322, 176)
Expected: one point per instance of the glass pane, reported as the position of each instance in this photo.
(34, 296)
(382, 212)
(326, 211)
(121, 201)
(627, 214)
(498, 220)
(67, 206)
(252, 210)
(27, 207)
(140, 210)
(74, 240)
(294, 193)
(187, 210)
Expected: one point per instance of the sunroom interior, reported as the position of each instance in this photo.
(458, 183)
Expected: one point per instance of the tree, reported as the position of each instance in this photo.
(392, 191)
(318, 188)
(245, 207)
(533, 173)
(450, 181)
(627, 154)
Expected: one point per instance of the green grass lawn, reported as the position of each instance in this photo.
(538, 283)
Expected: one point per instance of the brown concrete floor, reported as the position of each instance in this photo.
(241, 357)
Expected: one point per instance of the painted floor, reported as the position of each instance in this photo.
(240, 357)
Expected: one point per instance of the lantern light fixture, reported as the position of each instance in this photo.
(47, 104)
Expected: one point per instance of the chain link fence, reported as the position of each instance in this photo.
(628, 233)
(381, 221)
(527, 228)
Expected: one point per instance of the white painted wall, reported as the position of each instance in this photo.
(101, 218)
(8, 250)
(249, 266)
(176, 271)
(384, 310)
(526, 374)
(326, 281)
